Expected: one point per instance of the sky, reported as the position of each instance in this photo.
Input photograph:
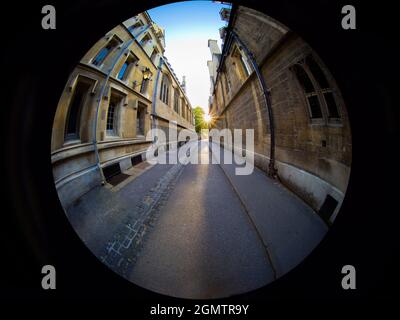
(188, 26)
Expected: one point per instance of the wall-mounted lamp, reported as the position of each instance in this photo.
(147, 74)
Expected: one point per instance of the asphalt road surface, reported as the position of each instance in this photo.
(198, 230)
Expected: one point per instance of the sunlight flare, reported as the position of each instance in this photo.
(207, 118)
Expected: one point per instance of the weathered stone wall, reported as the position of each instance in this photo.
(313, 159)
(166, 111)
(299, 142)
(258, 31)
(74, 162)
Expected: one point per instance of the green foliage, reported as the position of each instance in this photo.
(199, 119)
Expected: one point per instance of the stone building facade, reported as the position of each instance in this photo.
(120, 89)
(268, 79)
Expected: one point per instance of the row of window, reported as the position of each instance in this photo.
(165, 97)
(130, 61)
(112, 116)
(242, 70)
(319, 93)
(83, 85)
(80, 99)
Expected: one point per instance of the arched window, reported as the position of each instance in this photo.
(176, 100)
(164, 92)
(324, 86)
(317, 89)
(309, 91)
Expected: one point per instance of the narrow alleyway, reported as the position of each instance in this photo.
(197, 231)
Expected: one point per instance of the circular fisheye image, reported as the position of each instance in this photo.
(201, 149)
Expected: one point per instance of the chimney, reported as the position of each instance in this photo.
(225, 14)
(213, 45)
(184, 84)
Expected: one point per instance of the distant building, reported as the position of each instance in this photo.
(121, 88)
(302, 131)
(214, 62)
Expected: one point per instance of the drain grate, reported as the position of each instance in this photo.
(111, 171)
(117, 179)
(328, 207)
(136, 160)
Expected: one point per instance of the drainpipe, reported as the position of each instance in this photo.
(272, 172)
(102, 91)
(155, 92)
(153, 106)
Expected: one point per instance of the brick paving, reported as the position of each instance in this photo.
(121, 251)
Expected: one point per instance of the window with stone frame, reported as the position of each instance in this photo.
(153, 56)
(227, 81)
(184, 111)
(144, 86)
(127, 67)
(77, 102)
(133, 28)
(241, 62)
(182, 105)
(309, 90)
(325, 88)
(320, 95)
(176, 100)
(106, 50)
(146, 39)
(245, 65)
(187, 113)
(164, 92)
(220, 94)
(140, 119)
(114, 104)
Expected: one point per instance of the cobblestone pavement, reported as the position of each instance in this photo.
(114, 221)
(104, 215)
(120, 252)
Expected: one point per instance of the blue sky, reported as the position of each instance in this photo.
(188, 26)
